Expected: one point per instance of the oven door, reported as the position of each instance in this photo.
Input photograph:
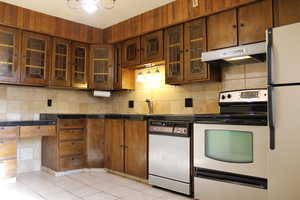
(231, 148)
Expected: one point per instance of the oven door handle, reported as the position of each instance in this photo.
(270, 88)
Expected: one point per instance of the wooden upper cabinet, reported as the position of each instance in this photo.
(136, 142)
(123, 77)
(35, 59)
(114, 144)
(152, 47)
(222, 30)
(131, 52)
(286, 12)
(195, 44)
(174, 54)
(102, 67)
(9, 55)
(80, 65)
(61, 67)
(254, 20)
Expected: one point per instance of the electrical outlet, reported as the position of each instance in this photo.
(195, 3)
(131, 104)
(188, 102)
(49, 102)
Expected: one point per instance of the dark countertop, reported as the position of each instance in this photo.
(46, 116)
(28, 123)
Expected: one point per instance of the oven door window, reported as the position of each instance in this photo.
(229, 146)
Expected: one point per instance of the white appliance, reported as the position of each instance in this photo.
(170, 155)
(283, 58)
(230, 149)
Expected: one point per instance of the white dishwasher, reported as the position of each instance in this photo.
(170, 155)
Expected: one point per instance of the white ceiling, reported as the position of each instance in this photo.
(102, 18)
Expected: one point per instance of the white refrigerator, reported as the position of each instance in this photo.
(283, 58)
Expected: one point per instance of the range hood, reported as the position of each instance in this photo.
(237, 55)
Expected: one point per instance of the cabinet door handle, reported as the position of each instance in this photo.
(242, 25)
(234, 26)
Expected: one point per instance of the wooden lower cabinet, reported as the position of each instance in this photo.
(126, 146)
(35, 131)
(66, 151)
(95, 143)
(136, 146)
(114, 146)
(8, 152)
(71, 163)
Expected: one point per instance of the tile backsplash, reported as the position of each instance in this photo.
(168, 99)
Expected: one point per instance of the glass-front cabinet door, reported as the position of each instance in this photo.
(101, 72)
(174, 54)
(36, 59)
(80, 65)
(131, 52)
(9, 55)
(152, 47)
(195, 44)
(60, 69)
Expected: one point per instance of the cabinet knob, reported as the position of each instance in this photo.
(234, 26)
(242, 25)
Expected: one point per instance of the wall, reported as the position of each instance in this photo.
(168, 99)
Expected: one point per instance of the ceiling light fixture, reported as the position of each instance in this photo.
(91, 6)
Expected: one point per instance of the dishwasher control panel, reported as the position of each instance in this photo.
(176, 128)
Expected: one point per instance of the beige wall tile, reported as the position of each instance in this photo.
(234, 84)
(256, 70)
(2, 92)
(233, 72)
(256, 83)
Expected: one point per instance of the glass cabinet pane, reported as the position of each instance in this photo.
(102, 72)
(7, 51)
(35, 58)
(229, 146)
(61, 56)
(131, 52)
(174, 37)
(101, 65)
(195, 32)
(152, 47)
(80, 64)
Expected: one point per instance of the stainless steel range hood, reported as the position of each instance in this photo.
(238, 55)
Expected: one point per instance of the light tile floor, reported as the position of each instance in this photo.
(82, 186)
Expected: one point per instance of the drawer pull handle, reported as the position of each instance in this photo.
(73, 158)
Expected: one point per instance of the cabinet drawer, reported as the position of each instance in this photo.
(33, 131)
(8, 149)
(8, 132)
(8, 169)
(77, 134)
(70, 163)
(71, 148)
(71, 123)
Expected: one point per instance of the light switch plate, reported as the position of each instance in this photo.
(195, 3)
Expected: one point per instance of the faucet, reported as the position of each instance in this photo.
(150, 106)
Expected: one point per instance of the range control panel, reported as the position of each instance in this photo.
(244, 96)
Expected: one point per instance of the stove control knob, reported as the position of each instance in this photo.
(229, 96)
(223, 97)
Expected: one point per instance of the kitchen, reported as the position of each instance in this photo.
(135, 105)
